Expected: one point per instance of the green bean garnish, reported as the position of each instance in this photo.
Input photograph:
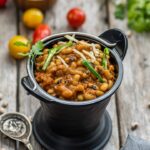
(54, 51)
(104, 59)
(92, 70)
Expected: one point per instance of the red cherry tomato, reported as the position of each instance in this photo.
(41, 32)
(76, 17)
(2, 3)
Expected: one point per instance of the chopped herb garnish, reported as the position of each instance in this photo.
(87, 64)
(54, 51)
(19, 43)
(35, 50)
(104, 63)
(106, 51)
(104, 59)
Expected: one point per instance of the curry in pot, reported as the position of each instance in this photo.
(75, 70)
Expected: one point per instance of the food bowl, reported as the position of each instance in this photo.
(64, 125)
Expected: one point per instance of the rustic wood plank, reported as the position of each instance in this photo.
(133, 96)
(8, 70)
(114, 141)
(95, 24)
(28, 104)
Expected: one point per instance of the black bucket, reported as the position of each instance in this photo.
(70, 125)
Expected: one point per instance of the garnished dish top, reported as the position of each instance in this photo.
(75, 70)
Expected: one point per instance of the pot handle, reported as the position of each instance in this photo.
(118, 37)
(27, 84)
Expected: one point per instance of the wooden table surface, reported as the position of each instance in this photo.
(129, 106)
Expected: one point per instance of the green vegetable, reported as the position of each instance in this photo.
(92, 70)
(35, 50)
(104, 62)
(19, 43)
(120, 11)
(104, 59)
(139, 15)
(106, 51)
(54, 51)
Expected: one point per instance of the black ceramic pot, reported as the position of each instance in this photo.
(68, 125)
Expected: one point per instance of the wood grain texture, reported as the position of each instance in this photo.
(28, 104)
(7, 66)
(56, 18)
(114, 141)
(133, 96)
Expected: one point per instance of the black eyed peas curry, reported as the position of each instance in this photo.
(75, 70)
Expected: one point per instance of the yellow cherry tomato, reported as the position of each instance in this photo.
(18, 44)
(32, 18)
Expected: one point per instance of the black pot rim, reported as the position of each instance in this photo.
(74, 103)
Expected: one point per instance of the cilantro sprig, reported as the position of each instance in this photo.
(36, 49)
(137, 13)
(19, 43)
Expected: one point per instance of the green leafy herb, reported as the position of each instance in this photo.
(87, 64)
(120, 11)
(19, 43)
(35, 50)
(104, 59)
(54, 51)
(139, 15)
